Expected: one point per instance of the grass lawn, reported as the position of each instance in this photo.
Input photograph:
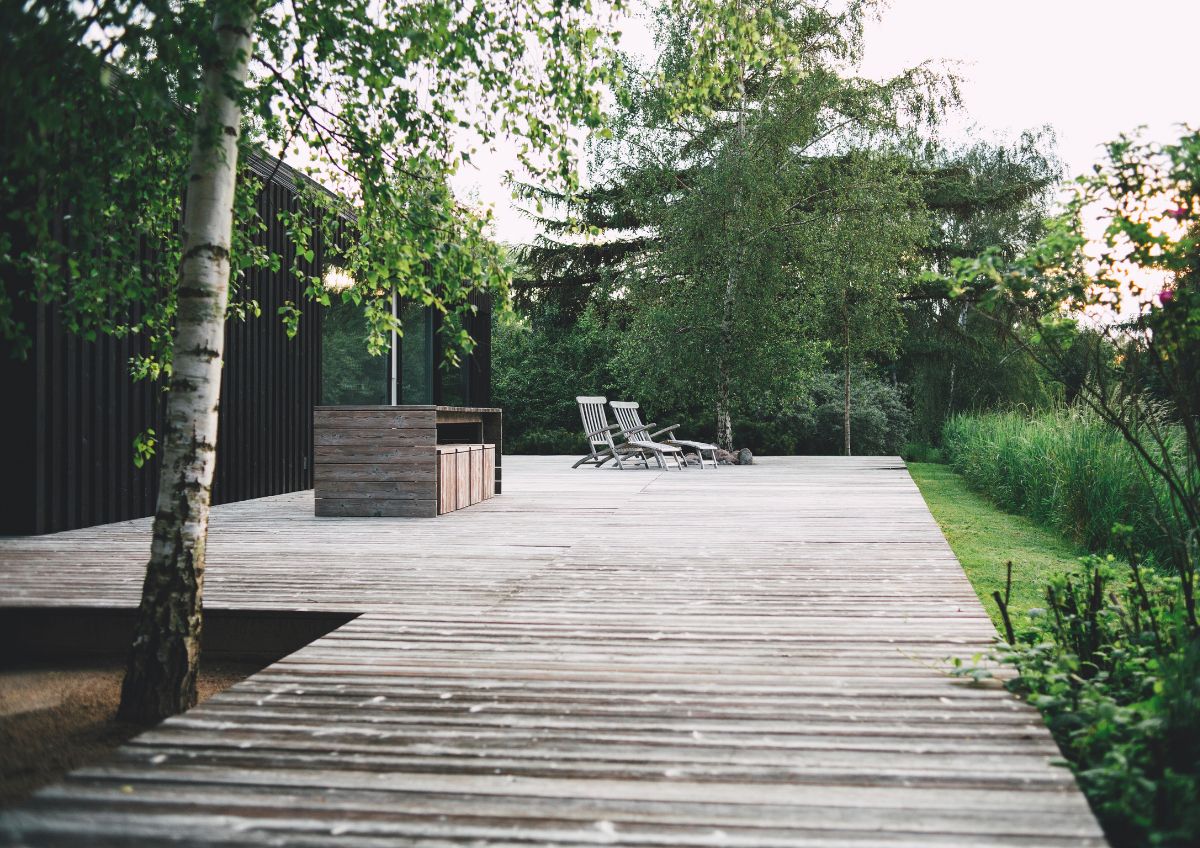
(984, 538)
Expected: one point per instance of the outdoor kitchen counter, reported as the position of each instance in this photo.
(382, 460)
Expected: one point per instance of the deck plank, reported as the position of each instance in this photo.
(752, 657)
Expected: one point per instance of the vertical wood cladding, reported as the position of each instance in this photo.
(75, 411)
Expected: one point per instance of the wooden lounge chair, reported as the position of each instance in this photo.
(636, 432)
(602, 446)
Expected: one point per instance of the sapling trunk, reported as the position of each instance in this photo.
(729, 301)
(724, 418)
(846, 375)
(160, 679)
(1002, 602)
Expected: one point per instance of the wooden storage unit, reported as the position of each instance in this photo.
(387, 460)
(466, 475)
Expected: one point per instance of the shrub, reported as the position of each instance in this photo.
(879, 418)
(1065, 468)
(549, 441)
(537, 371)
(1113, 663)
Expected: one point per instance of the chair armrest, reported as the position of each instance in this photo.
(672, 428)
(602, 430)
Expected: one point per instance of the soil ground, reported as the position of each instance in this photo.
(58, 717)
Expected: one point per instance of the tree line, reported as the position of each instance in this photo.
(751, 255)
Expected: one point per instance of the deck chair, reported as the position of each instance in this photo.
(602, 446)
(636, 432)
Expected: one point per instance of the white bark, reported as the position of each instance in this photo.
(846, 375)
(161, 678)
(729, 302)
(724, 418)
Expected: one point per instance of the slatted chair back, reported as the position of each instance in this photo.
(595, 421)
(627, 415)
(629, 419)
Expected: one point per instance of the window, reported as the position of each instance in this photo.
(416, 355)
(415, 366)
(349, 374)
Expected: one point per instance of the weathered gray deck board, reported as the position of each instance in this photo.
(751, 657)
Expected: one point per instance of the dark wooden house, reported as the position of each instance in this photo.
(73, 411)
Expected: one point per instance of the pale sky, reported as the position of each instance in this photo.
(1089, 68)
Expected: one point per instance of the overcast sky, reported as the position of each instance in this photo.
(1091, 69)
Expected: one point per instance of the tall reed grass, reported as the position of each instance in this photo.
(1065, 468)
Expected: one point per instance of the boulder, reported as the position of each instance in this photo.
(742, 457)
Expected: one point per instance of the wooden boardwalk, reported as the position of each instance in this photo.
(747, 657)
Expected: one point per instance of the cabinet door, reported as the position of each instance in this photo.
(447, 479)
(476, 473)
(463, 477)
(489, 471)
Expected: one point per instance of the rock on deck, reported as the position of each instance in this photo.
(751, 656)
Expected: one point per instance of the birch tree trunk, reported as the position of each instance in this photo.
(846, 414)
(160, 679)
(729, 302)
(724, 418)
(962, 323)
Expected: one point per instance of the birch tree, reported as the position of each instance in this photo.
(383, 101)
(161, 677)
(745, 149)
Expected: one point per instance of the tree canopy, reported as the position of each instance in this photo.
(379, 102)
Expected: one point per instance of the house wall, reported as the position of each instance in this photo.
(73, 411)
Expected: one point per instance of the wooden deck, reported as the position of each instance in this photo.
(745, 657)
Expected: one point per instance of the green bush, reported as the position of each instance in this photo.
(812, 424)
(538, 368)
(1113, 663)
(1065, 468)
(879, 417)
(551, 441)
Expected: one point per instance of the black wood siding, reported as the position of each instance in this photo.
(74, 410)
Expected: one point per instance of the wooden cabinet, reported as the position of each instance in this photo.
(387, 460)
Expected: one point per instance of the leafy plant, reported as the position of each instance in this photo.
(1115, 669)
(1138, 369)
(1113, 664)
(143, 447)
